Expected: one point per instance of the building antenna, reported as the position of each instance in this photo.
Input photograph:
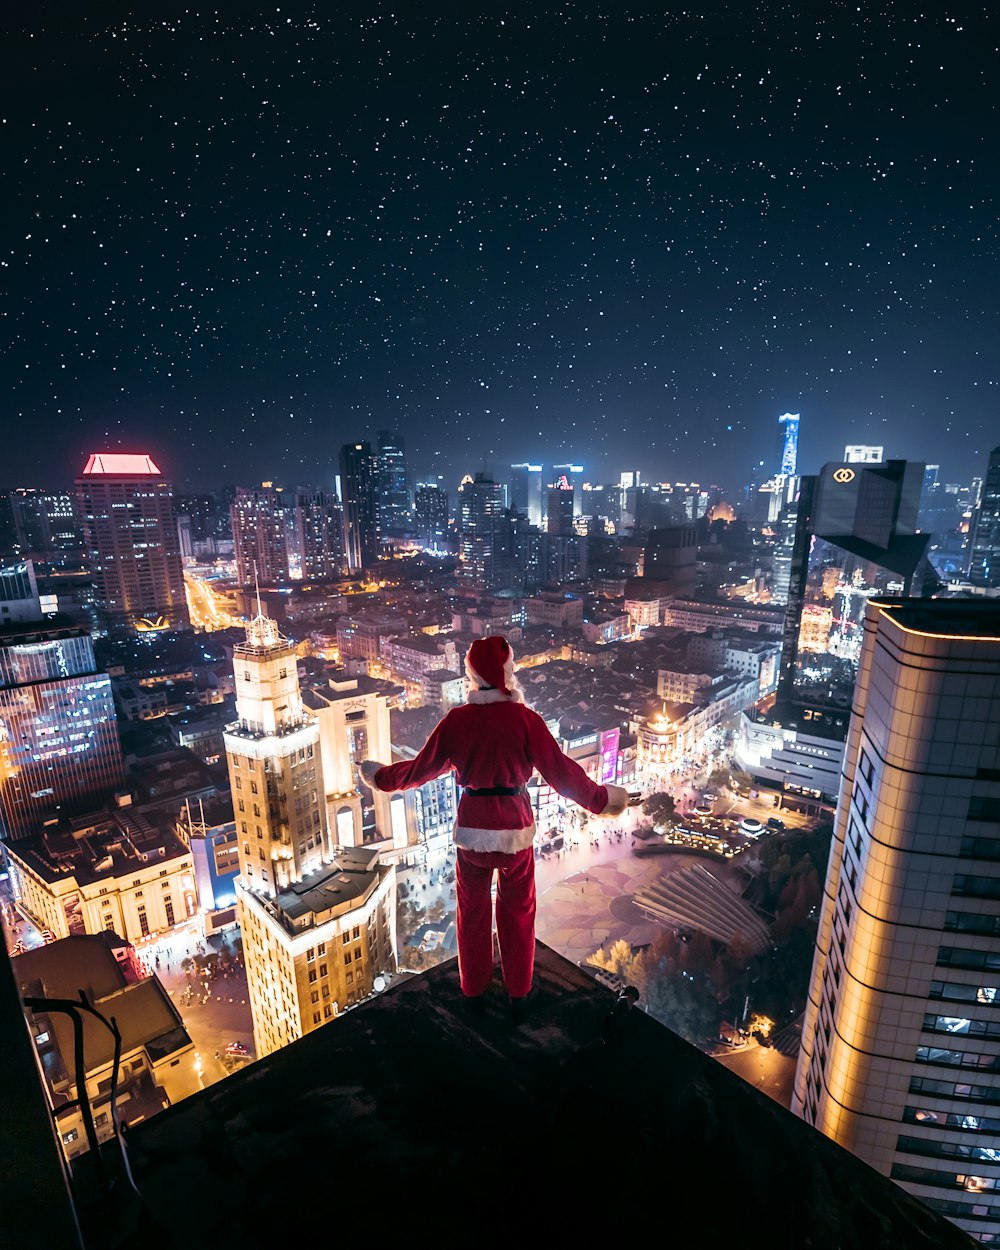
(256, 582)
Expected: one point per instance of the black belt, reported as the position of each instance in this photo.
(491, 792)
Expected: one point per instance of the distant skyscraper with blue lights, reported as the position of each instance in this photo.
(790, 443)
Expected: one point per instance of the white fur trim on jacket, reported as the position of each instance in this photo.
(508, 841)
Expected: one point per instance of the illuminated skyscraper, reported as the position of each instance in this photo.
(526, 494)
(790, 443)
(45, 522)
(392, 499)
(900, 1051)
(483, 532)
(59, 746)
(855, 538)
(431, 513)
(317, 920)
(984, 561)
(319, 534)
(261, 520)
(358, 495)
(132, 544)
(559, 508)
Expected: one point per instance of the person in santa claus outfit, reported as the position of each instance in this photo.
(494, 743)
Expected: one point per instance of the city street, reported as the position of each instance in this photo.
(585, 890)
(216, 1008)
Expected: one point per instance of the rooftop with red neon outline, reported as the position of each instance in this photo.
(120, 462)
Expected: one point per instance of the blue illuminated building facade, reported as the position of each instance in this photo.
(59, 745)
(790, 443)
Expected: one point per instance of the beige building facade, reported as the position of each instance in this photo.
(316, 911)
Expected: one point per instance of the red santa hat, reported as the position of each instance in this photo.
(490, 664)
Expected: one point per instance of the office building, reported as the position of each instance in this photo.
(527, 492)
(317, 920)
(113, 870)
(59, 745)
(19, 598)
(855, 538)
(431, 514)
(46, 522)
(482, 532)
(900, 1053)
(358, 496)
(670, 560)
(261, 518)
(392, 493)
(571, 476)
(205, 525)
(352, 712)
(862, 453)
(319, 535)
(984, 547)
(559, 508)
(132, 545)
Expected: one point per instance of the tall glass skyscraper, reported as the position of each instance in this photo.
(483, 533)
(855, 538)
(393, 493)
(984, 561)
(59, 746)
(900, 1051)
(358, 495)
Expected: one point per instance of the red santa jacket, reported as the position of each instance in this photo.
(494, 741)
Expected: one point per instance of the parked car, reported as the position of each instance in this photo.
(774, 823)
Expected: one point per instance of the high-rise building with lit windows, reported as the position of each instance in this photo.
(431, 514)
(900, 1051)
(559, 508)
(132, 544)
(984, 546)
(483, 532)
(261, 519)
(45, 521)
(527, 491)
(358, 495)
(317, 918)
(59, 745)
(392, 498)
(319, 534)
(789, 422)
(855, 538)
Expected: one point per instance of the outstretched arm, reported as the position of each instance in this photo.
(566, 775)
(431, 761)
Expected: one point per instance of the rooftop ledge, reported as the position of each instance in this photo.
(603, 1121)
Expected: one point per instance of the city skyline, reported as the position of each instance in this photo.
(243, 238)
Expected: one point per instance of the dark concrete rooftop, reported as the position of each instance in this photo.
(413, 1120)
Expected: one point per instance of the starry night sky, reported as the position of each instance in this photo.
(623, 236)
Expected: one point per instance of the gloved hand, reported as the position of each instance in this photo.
(617, 801)
(368, 769)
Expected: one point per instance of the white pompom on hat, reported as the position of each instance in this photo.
(490, 664)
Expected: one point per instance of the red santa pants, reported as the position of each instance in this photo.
(515, 919)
